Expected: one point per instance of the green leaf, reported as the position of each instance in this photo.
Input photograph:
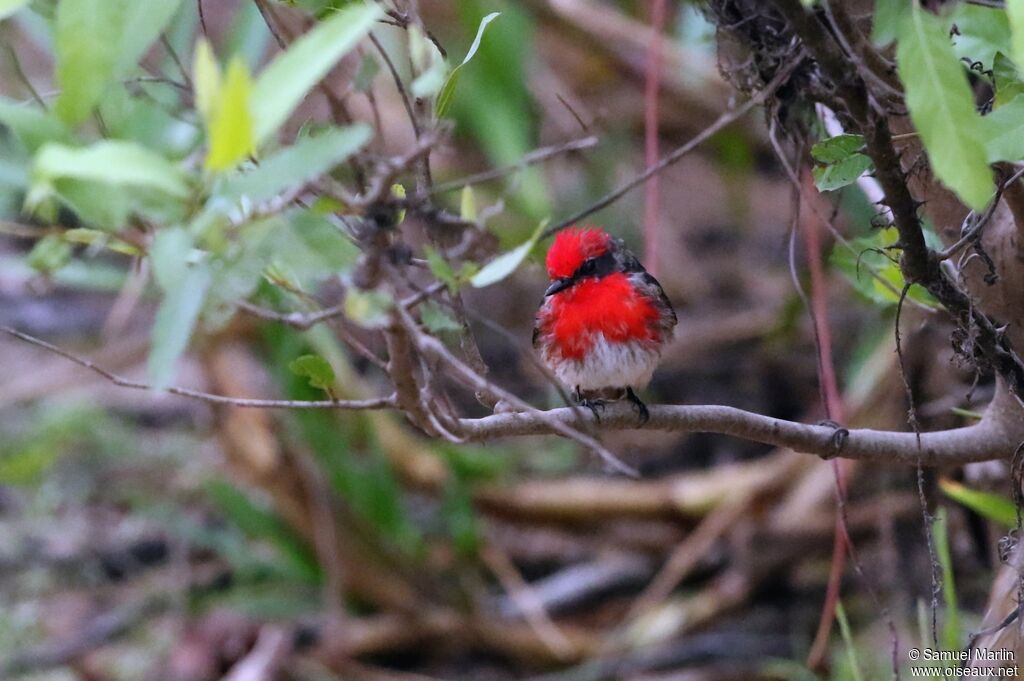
(1015, 15)
(428, 62)
(110, 162)
(887, 19)
(981, 32)
(205, 78)
(1005, 132)
(467, 204)
(31, 125)
(857, 266)
(437, 320)
(441, 269)
(184, 285)
(9, 7)
(838, 148)
(840, 174)
(315, 369)
(230, 124)
(99, 41)
(507, 263)
(259, 522)
(995, 507)
(951, 630)
(942, 107)
(444, 97)
(309, 158)
(284, 83)
(49, 254)
(1008, 84)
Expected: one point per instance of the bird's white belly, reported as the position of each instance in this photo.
(608, 365)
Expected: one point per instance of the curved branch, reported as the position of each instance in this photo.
(980, 442)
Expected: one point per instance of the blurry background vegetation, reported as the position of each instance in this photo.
(153, 537)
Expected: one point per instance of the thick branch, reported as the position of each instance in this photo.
(983, 441)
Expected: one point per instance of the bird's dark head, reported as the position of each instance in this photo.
(581, 252)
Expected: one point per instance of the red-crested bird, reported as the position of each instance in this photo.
(604, 320)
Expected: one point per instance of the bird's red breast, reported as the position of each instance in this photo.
(611, 306)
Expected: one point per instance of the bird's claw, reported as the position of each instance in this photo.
(639, 406)
(838, 439)
(593, 406)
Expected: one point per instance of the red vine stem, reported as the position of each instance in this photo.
(652, 85)
(834, 408)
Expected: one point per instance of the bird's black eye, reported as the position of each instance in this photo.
(588, 266)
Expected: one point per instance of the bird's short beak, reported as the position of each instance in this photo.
(556, 286)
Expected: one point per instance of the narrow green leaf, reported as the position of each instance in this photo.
(111, 162)
(98, 41)
(284, 83)
(259, 522)
(314, 369)
(230, 124)
(184, 285)
(309, 158)
(444, 97)
(995, 507)
(507, 263)
(467, 204)
(205, 79)
(942, 107)
(951, 629)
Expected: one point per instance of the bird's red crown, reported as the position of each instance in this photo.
(574, 246)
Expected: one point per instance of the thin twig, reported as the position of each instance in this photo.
(375, 403)
(723, 121)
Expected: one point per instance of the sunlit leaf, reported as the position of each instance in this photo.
(942, 107)
(995, 507)
(284, 83)
(507, 263)
(981, 32)
(205, 78)
(467, 204)
(444, 97)
(230, 126)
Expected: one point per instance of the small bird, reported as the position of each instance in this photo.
(604, 320)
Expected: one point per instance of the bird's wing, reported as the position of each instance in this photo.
(651, 288)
